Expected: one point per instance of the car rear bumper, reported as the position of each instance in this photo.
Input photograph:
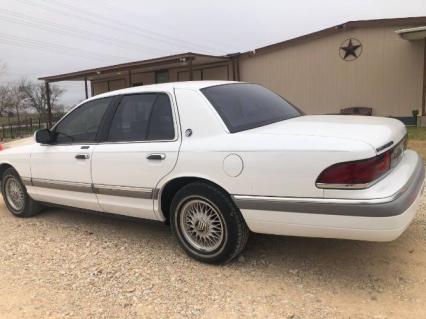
(376, 219)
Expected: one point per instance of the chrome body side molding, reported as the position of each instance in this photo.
(113, 190)
(138, 192)
(378, 207)
(67, 186)
(26, 180)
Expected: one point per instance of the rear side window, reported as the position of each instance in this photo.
(82, 124)
(244, 106)
(161, 123)
(142, 117)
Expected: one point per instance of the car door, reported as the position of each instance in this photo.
(140, 147)
(61, 171)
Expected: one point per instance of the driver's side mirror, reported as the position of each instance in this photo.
(43, 136)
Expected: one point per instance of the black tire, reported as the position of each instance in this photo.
(235, 231)
(29, 207)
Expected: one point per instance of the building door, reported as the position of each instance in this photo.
(162, 76)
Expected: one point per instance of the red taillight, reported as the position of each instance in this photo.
(355, 174)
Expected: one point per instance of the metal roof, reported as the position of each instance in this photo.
(409, 21)
(156, 63)
(197, 58)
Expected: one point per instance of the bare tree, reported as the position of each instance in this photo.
(55, 93)
(4, 92)
(3, 68)
(12, 100)
(19, 102)
(37, 98)
(5, 99)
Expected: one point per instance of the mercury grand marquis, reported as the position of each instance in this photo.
(217, 160)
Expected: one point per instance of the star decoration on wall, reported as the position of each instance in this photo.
(350, 49)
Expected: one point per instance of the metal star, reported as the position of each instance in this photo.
(350, 49)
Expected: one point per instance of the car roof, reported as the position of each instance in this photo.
(197, 85)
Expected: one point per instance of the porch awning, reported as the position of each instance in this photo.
(166, 62)
(413, 34)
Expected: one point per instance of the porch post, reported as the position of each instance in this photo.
(234, 77)
(235, 62)
(130, 78)
(237, 71)
(190, 69)
(49, 106)
(424, 81)
(85, 88)
(92, 89)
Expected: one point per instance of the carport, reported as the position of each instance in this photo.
(181, 67)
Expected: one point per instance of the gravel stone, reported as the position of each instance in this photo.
(67, 264)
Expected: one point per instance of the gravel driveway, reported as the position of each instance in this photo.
(67, 264)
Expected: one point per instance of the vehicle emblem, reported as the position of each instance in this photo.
(188, 132)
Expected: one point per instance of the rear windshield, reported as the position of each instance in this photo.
(244, 106)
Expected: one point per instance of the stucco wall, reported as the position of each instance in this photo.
(388, 76)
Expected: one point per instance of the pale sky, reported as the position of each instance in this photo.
(48, 37)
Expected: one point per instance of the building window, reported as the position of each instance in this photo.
(162, 76)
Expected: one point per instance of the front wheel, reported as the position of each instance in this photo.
(15, 195)
(207, 223)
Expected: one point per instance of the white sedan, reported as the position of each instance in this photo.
(217, 160)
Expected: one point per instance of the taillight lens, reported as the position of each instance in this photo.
(356, 174)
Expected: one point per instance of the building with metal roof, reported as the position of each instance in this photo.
(377, 64)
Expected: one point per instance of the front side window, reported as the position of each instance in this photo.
(142, 117)
(244, 106)
(82, 124)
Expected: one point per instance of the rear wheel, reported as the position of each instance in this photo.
(207, 223)
(16, 197)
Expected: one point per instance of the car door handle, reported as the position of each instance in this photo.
(156, 156)
(82, 156)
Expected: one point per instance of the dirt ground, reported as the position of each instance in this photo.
(419, 146)
(67, 264)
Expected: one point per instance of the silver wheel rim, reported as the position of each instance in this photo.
(15, 194)
(201, 225)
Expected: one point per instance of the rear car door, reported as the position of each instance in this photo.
(140, 147)
(61, 171)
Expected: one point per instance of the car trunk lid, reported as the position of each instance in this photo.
(379, 132)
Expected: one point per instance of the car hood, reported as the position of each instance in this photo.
(375, 131)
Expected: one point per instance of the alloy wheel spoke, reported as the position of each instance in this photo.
(15, 194)
(202, 225)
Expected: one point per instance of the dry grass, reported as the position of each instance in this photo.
(417, 140)
(416, 133)
(419, 146)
